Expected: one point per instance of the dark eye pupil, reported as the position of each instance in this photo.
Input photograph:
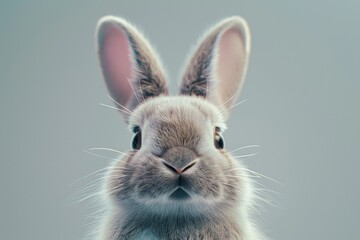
(136, 142)
(218, 141)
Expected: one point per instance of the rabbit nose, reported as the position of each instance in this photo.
(179, 170)
(179, 158)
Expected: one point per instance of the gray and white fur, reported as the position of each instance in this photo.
(177, 182)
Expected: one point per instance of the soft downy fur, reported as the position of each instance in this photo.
(177, 182)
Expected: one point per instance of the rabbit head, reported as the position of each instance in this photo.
(178, 164)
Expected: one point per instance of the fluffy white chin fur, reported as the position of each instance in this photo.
(163, 206)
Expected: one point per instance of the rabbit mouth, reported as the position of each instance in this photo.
(179, 194)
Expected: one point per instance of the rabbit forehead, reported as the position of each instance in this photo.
(176, 109)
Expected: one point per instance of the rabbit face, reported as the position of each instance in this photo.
(179, 167)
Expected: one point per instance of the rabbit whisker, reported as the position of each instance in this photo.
(90, 174)
(262, 185)
(114, 189)
(237, 104)
(93, 186)
(88, 197)
(112, 107)
(241, 176)
(113, 159)
(142, 93)
(260, 190)
(129, 80)
(267, 201)
(110, 149)
(229, 99)
(246, 155)
(97, 155)
(117, 103)
(260, 175)
(245, 147)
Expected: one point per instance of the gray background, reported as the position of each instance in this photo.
(302, 108)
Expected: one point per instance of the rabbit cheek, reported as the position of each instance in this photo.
(210, 189)
(234, 183)
(119, 184)
(205, 182)
(232, 189)
(149, 179)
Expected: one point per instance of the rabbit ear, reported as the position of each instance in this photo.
(129, 65)
(217, 67)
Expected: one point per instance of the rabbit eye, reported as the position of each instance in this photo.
(136, 141)
(218, 141)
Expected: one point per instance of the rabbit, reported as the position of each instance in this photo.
(177, 181)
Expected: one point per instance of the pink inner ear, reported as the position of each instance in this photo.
(230, 65)
(116, 62)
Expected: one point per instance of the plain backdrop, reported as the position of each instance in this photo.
(302, 107)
